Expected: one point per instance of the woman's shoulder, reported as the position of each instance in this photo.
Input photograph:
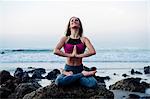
(85, 38)
(64, 38)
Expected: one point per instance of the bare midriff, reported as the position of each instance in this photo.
(74, 61)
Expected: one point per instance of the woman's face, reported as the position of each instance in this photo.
(74, 23)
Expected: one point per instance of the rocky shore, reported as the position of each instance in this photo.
(23, 86)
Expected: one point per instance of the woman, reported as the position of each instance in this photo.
(74, 47)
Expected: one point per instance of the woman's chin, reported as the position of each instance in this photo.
(75, 27)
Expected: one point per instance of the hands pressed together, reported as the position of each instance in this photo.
(74, 53)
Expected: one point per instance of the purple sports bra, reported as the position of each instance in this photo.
(68, 47)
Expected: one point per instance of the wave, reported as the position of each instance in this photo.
(83, 61)
(25, 50)
(3, 51)
(100, 49)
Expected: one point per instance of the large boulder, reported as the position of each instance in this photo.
(53, 74)
(147, 70)
(4, 92)
(4, 76)
(40, 70)
(130, 84)
(37, 75)
(18, 73)
(25, 77)
(23, 89)
(53, 91)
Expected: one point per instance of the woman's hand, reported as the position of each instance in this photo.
(89, 73)
(67, 73)
(74, 53)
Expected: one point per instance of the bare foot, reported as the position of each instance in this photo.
(67, 73)
(88, 73)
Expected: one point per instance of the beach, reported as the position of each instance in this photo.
(113, 66)
(103, 69)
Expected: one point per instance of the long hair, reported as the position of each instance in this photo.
(68, 32)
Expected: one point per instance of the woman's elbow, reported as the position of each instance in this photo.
(93, 52)
(55, 51)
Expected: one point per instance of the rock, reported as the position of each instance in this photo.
(10, 84)
(4, 76)
(23, 89)
(21, 76)
(25, 77)
(53, 74)
(18, 73)
(114, 74)
(75, 92)
(100, 80)
(135, 72)
(145, 97)
(125, 75)
(133, 96)
(2, 52)
(40, 70)
(4, 92)
(132, 71)
(37, 75)
(89, 69)
(147, 70)
(130, 84)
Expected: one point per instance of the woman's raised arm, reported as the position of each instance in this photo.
(91, 51)
(58, 47)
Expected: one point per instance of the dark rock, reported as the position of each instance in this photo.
(75, 92)
(133, 96)
(125, 75)
(53, 74)
(145, 97)
(130, 84)
(89, 69)
(132, 71)
(2, 52)
(40, 70)
(10, 84)
(135, 72)
(100, 80)
(37, 75)
(25, 77)
(147, 70)
(114, 74)
(31, 68)
(18, 73)
(4, 76)
(4, 92)
(23, 89)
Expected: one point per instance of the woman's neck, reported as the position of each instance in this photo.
(75, 33)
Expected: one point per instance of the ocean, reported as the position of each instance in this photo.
(104, 59)
(102, 56)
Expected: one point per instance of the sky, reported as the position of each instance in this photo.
(107, 23)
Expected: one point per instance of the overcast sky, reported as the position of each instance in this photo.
(107, 23)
